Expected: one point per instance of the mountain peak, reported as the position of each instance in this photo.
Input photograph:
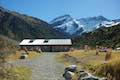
(65, 18)
(67, 24)
(66, 15)
(94, 18)
(102, 17)
(3, 9)
(72, 26)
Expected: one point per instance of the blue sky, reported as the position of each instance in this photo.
(50, 9)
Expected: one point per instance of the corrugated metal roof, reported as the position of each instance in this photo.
(46, 42)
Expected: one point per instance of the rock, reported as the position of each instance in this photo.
(83, 75)
(89, 78)
(23, 56)
(68, 75)
(71, 68)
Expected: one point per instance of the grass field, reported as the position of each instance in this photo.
(86, 57)
(95, 64)
(15, 73)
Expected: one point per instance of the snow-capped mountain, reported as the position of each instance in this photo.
(67, 24)
(116, 20)
(75, 27)
(107, 24)
(4, 10)
(90, 23)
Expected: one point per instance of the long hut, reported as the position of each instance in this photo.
(47, 45)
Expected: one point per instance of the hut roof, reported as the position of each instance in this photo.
(46, 42)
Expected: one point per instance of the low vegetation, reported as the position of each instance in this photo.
(8, 71)
(17, 55)
(81, 55)
(93, 63)
(110, 69)
(15, 73)
(7, 47)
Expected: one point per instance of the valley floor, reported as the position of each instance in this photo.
(44, 67)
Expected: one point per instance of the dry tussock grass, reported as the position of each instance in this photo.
(16, 56)
(97, 64)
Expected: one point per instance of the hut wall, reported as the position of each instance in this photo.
(55, 48)
(51, 48)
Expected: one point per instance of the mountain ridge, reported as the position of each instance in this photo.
(66, 24)
(19, 26)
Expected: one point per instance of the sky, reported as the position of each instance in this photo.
(49, 9)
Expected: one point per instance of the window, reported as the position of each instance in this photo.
(46, 41)
(31, 41)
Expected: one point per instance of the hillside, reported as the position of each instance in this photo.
(104, 36)
(7, 46)
(14, 27)
(18, 26)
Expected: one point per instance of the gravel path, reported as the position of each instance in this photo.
(45, 67)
